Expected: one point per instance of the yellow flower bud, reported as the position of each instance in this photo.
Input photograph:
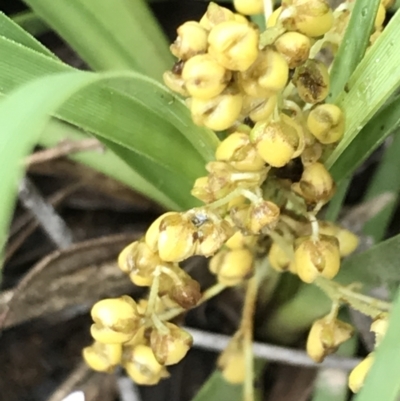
(204, 78)
(233, 367)
(313, 17)
(325, 336)
(234, 45)
(278, 259)
(201, 190)
(142, 366)
(267, 76)
(311, 154)
(312, 81)
(261, 215)
(326, 123)
(170, 348)
(348, 242)
(359, 373)
(102, 357)
(259, 109)
(115, 320)
(175, 83)
(214, 15)
(239, 152)
(249, 7)
(294, 47)
(218, 113)
(316, 184)
(232, 266)
(239, 241)
(315, 258)
(379, 326)
(276, 141)
(191, 40)
(273, 18)
(380, 16)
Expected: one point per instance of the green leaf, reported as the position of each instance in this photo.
(109, 35)
(353, 46)
(163, 150)
(377, 266)
(11, 30)
(335, 205)
(385, 180)
(382, 382)
(369, 138)
(31, 23)
(372, 83)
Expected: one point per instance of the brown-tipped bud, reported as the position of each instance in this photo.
(180, 287)
(115, 320)
(313, 17)
(294, 47)
(318, 257)
(379, 326)
(232, 266)
(214, 15)
(278, 259)
(170, 348)
(191, 40)
(142, 366)
(267, 76)
(276, 142)
(102, 357)
(262, 215)
(312, 81)
(348, 242)
(359, 373)
(234, 45)
(311, 154)
(259, 109)
(204, 78)
(175, 83)
(249, 7)
(218, 113)
(316, 184)
(239, 152)
(139, 261)
(326, 123)
(325, 336)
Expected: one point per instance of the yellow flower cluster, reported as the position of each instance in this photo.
(262, 191)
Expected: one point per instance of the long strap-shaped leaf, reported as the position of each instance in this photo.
(376, 78)
(109, 35)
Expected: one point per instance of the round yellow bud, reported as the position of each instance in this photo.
(259, 109)
(315, 258)
(262, 215)
(278, 258)
(115, 320)
(218, 113)
(214, 15)
(102, 357)
(142, 366)
(273, 18)
(191, 40)
(312, 81)
(170, 348)
(359, 373)
(204, 78)
(326, 123)
(294, 47)
(234, 45)
(348, 242)
(232, 266)
(239, 241)
(249, 7)
(239, 152)
(313, 17)
(380, 16)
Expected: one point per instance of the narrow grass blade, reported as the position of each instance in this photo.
(370, 137)
(11, 30)
(109, 35)
(353, 46)
(31, 23)
(385, 180)
(335, 205)
(376, 78)
(382, 382)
